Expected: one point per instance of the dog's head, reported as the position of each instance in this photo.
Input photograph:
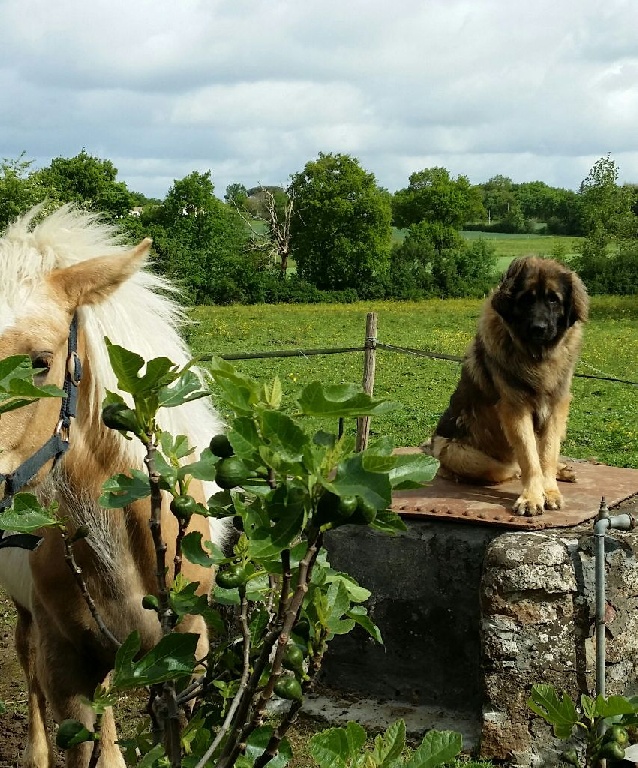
(540, 299)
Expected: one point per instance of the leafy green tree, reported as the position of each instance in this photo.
(608, 258)
(236, 194)
(434, 260)
(514, 220)
(190, 202)
(632, 190)
(567, 218)
(140, 200)
(465, 271)
(411, 265)
(511, 207)
(433, 195)
(340, 226)
(202, 242)
(88, 182)
(559, 209)
(19, 188)
(607, 207)
(537, 200)
(498, 197)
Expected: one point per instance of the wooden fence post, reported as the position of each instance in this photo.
(369, 363)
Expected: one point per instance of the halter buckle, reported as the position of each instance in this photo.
(74, 368)
(63, 431)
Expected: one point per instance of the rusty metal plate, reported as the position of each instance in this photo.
(492, 504)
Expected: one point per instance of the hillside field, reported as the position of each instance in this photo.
(602, 425)
(509, 247)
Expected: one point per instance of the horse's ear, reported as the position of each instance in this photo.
(94, 280)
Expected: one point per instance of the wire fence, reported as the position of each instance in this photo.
(369, 348)
(375, 344)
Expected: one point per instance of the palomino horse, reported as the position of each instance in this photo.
(71, 265)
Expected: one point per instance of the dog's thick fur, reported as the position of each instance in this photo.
(509, 411)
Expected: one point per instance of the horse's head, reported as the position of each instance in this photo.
(35, 322)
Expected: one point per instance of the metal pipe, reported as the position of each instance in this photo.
(603, 523)
(600, 528)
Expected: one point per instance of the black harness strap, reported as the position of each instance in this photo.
(55, 447)
(20, 541)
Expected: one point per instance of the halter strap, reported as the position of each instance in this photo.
(54, 448)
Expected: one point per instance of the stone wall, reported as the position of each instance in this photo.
(472, 617)
(538, 625)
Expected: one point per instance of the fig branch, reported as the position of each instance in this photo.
(155, 524)
(279, 635)
(242, 692)
(75, 569)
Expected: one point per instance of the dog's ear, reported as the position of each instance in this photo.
(576, 300)
(502, 300)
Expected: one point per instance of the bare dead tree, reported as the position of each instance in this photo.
(279, 226)
(276, 240)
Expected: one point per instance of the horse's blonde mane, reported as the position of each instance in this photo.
(141, 315)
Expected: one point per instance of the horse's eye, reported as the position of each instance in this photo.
(42, 361)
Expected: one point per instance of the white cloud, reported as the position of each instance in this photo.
(253, 89)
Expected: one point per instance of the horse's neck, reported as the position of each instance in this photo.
(95, 454)
(116, 557)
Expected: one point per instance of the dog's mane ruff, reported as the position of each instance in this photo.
(141, 315)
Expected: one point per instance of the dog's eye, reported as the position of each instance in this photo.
(553, 298)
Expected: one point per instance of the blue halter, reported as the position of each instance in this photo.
(55, 447)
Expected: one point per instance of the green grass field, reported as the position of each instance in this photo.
(602, 425)
(508, 247)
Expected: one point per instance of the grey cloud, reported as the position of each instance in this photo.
(253, 89)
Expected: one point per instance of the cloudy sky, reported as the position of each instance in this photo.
(253, 89)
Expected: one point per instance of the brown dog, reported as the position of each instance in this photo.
(508, 413)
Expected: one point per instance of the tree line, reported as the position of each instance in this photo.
(349, 238)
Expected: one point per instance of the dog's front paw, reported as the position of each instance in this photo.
(553, 498)
(529, 505)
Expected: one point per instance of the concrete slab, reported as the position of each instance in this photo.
(374, 715)
(492, 504)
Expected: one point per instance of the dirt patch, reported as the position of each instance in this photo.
(13, 723)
